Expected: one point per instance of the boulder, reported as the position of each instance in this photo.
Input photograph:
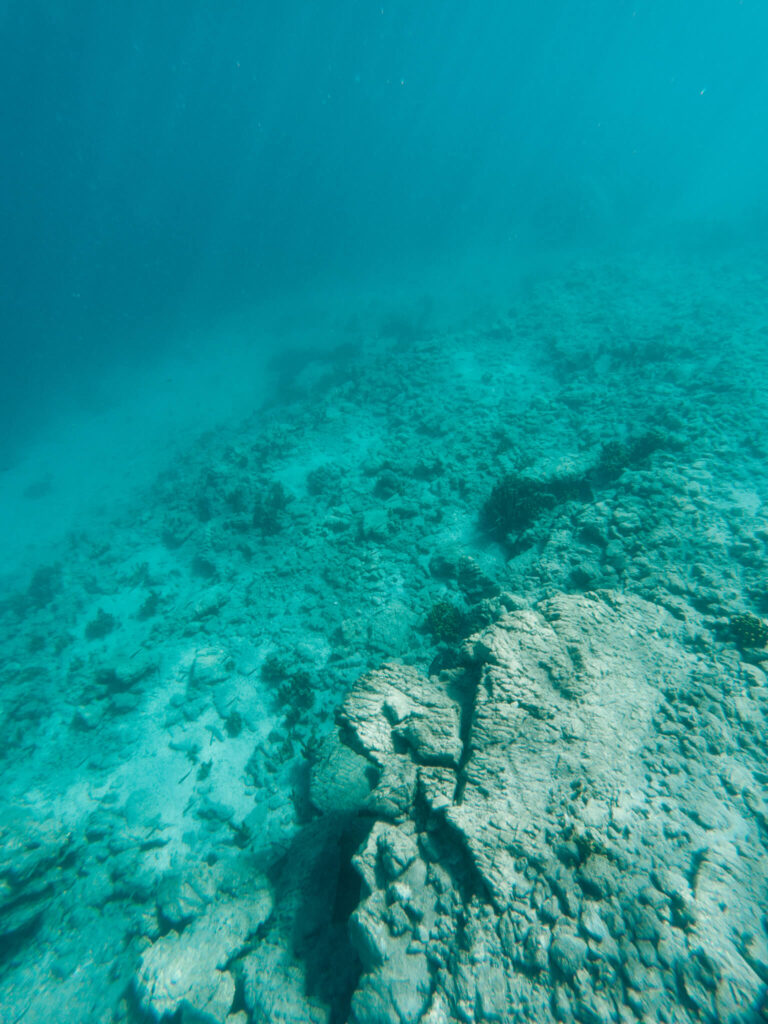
(187, 972)
(579, 855)
(397, 707)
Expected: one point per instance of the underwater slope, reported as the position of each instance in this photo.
(578, 485)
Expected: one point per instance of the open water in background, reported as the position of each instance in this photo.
(171, 169)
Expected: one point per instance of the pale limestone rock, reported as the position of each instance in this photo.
(211, 665)
(397, 702)
(591, 809)
(187, 971)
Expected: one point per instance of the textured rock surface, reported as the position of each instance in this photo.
(628, 401)
(395, 710)
(37, 859)
(563, 706)
(187, 971)
(582, 862)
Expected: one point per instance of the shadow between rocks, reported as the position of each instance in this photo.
(316, 890)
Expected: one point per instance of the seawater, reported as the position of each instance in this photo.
(337, 339)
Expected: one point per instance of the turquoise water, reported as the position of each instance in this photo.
(383, 606)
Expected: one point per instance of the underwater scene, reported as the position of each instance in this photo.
(384, 512)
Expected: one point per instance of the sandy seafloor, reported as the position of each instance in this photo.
(172, 666)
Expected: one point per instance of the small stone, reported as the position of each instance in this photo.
(643, 923)
(550, 910)
(561, 1004)
(398, 920)
(87, 717)
(593, 1009)
(597, 877)
(374, 524)
(369, 936)
(396, 851)
(591, 922)
(211, 665)
(670, 882)
(568, 953)
(536, 947)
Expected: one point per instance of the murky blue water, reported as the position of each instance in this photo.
(334, 335)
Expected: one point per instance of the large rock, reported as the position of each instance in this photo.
(37, 858)
(396, 708)
(187, 972)
(596, 852)
(563, 707)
